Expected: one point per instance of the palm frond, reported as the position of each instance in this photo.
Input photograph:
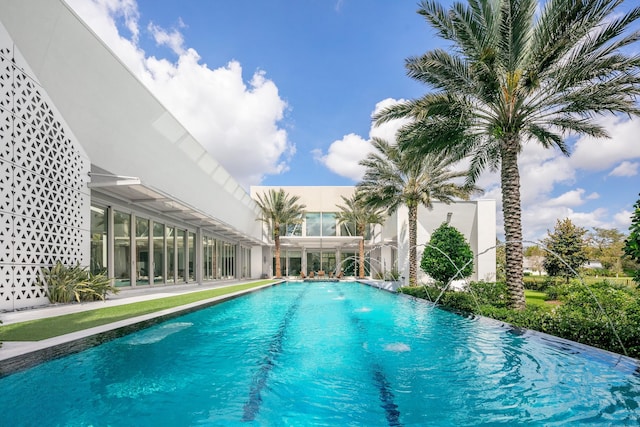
(547, 138)
(562, 24)
(438, 17)
(278, 209)
(516, 18)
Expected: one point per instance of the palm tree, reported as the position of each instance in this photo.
(279, 210)
(361, 216)
(515, 74)
(395, 177)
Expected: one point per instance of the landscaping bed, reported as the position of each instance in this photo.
(588, 314)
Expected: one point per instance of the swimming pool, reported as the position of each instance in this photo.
(326, 353)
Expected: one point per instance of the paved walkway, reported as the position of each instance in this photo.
(12, 353)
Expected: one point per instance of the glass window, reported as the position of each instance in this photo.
(171, 254)
(180, 247)
(328, 224)
(349, 263)
(206, 259)
(158, 253)
(294, 262)
(192, 256)
(246, 262)
(328, 262)
(98, 260)
(313, 261)
(122, 248)
(368, 232)
(232, 260)
(313, 220)
(217, 263)
(348, 229)
(142, 251)
(294, 230)
(211, 258)
(228, 258)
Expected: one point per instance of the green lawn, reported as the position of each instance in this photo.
(622, 280)
(36, 330)
(535, 298)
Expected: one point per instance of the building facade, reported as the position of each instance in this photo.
(320, 243)
(96, 171)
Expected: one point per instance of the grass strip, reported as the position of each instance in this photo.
(40, 329)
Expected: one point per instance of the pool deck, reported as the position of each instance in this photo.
(15, 356)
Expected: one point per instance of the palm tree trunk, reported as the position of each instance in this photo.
(278, 266)
(360, 232)
(512, 212)
(413, 237)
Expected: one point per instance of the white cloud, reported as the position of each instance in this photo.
(596, 218)
(623, 220)
(344, 155)
(626, 168)
(237, 121)
(601, 154)
(174, 39)
(568, 199)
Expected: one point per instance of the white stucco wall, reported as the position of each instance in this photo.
(44, 199)
(476, 220)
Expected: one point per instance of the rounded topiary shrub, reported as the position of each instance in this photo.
(448, 256)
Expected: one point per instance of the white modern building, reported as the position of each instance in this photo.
(95, 170)
(321, 244)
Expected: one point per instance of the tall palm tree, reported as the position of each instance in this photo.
(515, 74)
(395, 177)
(355, 212)
(279, 209)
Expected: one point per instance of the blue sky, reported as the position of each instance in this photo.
(281, 92)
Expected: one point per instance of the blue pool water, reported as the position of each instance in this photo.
(326, 354)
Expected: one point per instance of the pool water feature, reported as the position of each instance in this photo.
(327, 353)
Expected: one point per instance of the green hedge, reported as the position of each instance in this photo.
(584, 314)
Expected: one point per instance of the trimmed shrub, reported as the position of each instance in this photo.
(448, 255)
(65, 284)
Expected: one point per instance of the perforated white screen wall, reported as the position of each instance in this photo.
(44, 201)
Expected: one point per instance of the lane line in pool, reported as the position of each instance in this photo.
(387, 398)
(252, 407)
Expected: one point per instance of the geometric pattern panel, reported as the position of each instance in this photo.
(43, 196)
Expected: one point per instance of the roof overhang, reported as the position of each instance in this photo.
(132, 191)
(325, 242)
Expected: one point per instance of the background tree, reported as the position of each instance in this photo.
(535, 256)
(354, 211)
(279, 209)
(566, 241)
(518, 72)
(394, 178)
(501, 260)
(632, 244)
(533, 251)
(448, 256)
(607, 246)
